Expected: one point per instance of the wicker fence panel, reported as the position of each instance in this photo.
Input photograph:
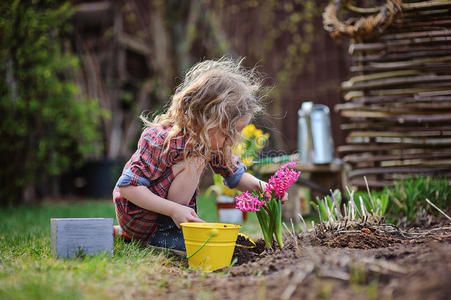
(397, 103)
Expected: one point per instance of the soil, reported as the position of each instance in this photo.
(243, 241)
(245, 251)
(359, 265)
(362, 240)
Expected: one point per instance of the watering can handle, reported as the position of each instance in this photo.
(212, 234)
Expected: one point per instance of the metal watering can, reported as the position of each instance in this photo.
(315, 143)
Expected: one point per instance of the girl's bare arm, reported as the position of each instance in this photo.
(249, 182)
(143, 197)
(187, 176)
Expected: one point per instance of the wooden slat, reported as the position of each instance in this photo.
(411, 141)
(437, 67)
(72, 236)
(402, 163)
(392, 126)
(400, 92)
(435, 94)
(415, 34)
(396, 107)
(396, 81)
(353, 148)
(355, 158)
(424, 6)
(438, 133)
(413, 170)
(419, 97)
(401, 56)
(397, 118)
(430, 23)
(416, 162)
(387, 44)
(414, 49)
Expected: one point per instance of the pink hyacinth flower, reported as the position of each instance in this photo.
(282, 180)
(246, 202)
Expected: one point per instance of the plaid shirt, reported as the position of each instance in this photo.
(150, 167)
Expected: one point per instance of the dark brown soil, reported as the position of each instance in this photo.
(243, 241)
(246, 254)
(259, 246)
(357, 265)
(362, 240)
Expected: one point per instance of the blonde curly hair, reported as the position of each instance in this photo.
(213, 95)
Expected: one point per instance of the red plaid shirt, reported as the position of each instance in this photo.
(150, 167)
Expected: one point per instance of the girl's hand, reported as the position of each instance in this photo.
(185, 214)
(284, 198)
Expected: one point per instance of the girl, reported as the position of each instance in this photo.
(159, 184)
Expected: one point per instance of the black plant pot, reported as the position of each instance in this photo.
(96, 178)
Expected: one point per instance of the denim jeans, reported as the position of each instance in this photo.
(168, 235)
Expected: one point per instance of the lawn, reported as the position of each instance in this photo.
(28, 270)
(360, 264)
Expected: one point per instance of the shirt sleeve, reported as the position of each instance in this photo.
(148, 163)
(231, 177)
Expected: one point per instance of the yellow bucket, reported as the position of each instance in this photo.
(209, 246)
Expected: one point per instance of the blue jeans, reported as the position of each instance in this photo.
(168, 235)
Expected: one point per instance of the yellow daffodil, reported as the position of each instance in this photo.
(249, 130)
(248, 161)
(258, 133)
(239, 149)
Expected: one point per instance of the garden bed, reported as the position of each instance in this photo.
(412, 264)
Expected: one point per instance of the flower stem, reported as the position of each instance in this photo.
(263, 219)
(278, 222)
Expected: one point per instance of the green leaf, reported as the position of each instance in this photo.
(263, 220)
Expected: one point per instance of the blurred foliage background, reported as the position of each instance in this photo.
(75, 75)
(46, 124)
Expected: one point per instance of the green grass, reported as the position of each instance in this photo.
(28, 271)
(404, 203)
(408, 197)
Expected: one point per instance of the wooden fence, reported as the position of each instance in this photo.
(397, 103)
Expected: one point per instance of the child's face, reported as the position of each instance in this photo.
(217, 138)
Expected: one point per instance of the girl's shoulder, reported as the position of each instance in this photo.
(157, 135)
(155, 132)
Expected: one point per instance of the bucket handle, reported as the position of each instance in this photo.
(212, 234)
